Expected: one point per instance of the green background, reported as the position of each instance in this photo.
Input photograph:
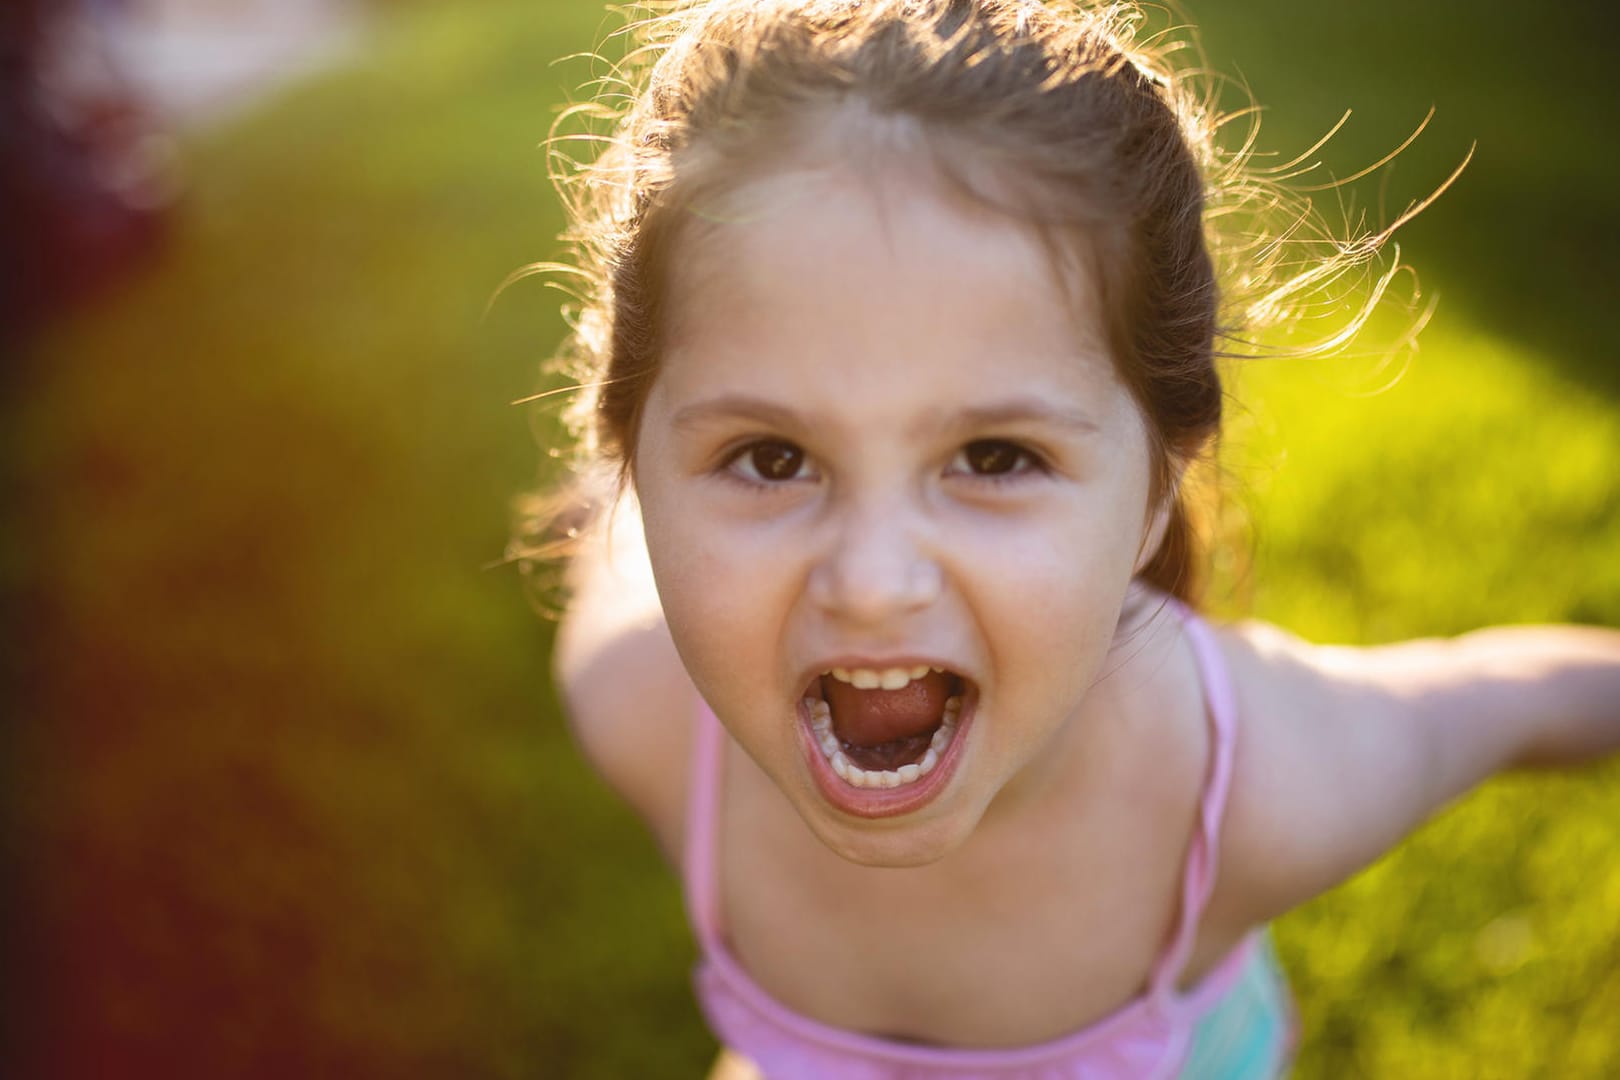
(291, 792)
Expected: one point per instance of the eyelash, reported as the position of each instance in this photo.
(739, 464)
(1025, 464)
(738, 459)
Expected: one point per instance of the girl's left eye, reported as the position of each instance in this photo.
(994, 458)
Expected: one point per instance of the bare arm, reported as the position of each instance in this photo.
(1344, 751)
(628, 697)
(1511, 696)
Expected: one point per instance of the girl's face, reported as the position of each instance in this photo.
(885, 439)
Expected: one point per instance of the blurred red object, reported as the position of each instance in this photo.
(84, 169)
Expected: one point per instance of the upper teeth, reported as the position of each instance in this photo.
(895, 678)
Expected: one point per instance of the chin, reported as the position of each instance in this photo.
(892, 843)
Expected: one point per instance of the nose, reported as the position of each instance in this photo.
(874, 569)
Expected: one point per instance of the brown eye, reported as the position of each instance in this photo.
(993, 457)
(772, 461)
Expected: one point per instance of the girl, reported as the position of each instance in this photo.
(900, 352)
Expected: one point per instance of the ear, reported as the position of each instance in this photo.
(1160, 514)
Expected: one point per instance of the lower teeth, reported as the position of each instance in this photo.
(854, 775)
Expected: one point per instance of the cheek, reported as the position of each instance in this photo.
(691, 579)
(1049, 592)
(1062, 600)
(1080, 548)
(719, 599)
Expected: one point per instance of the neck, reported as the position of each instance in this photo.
(1101, 736)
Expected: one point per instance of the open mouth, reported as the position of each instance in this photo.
(884, 727)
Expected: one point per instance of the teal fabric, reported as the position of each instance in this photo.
(1250, 1035)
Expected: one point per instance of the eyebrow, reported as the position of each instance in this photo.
(1024, 410)
(735, 406)
(1010, 411)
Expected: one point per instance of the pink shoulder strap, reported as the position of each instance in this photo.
(1198, 876)
(702, 825)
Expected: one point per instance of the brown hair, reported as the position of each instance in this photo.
(1055, 111)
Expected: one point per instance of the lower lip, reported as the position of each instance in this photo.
(886, 802)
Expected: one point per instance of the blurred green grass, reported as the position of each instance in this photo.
(295, 796)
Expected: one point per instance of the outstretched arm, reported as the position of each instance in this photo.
(1344, 751)
(628, 698)
(1510, 696)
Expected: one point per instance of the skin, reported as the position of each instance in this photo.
(971, 490)
(1063, 832)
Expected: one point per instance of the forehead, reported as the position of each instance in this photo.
(891, 283)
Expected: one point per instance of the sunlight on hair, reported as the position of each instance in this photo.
(676, 83)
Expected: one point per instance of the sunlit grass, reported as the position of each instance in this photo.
(1481, 487)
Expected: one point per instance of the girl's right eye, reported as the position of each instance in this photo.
(768, 461)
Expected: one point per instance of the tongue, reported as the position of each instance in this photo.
(875, 717)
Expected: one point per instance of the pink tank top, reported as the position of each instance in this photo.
(1145, 1039)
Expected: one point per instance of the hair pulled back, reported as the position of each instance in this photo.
(1049, 111)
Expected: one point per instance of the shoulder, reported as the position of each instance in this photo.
(1331, 768)
(628, 698)
(1342, 751)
